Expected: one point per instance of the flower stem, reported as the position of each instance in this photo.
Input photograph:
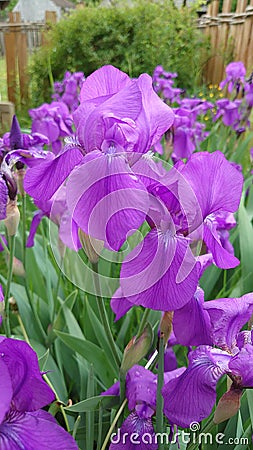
(103, 315)
(45, 376)
(24, 228)
(159, 397)
(121, 409)
(30, 300)
(8, 286)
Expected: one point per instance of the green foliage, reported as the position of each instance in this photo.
(135, 39)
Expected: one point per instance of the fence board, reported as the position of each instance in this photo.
(226, 8)
(10, 45)
(241, 6)
(16, 37)
(22, 66)
(228, 32)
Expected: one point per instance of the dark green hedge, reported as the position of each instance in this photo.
(135, 39)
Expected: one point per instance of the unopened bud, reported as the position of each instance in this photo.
(13, 305)
(228, 406)
(18, 268)
(12, 217)
(92, 247)
(136, 349)
(166, 325)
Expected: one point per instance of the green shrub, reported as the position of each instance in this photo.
(135, 39)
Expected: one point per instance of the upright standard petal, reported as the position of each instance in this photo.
(156, 115)
(160, 273)
(107, 80)
(191, 396)
(106, 199)
(125, 105)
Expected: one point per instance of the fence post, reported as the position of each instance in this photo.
(213, 31)
(11, 53)
(50, 19)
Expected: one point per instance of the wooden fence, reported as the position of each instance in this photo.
(16, 45)
(231, 37)
(230, 34)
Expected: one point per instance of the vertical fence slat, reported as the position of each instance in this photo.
(22, 66)
(215, 8)
(50, 18)
(10, 46)
(226, 8)
(241, 6)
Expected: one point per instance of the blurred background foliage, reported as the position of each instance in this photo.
(133, 38)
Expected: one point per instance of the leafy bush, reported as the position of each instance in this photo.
(135, 39)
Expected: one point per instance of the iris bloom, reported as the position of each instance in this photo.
(68, 90)
(141, 386)
(53, 121)
(17, 149)
(23, 424)
(161, 272)
(192, 395)
(117, 118)
(235, 76)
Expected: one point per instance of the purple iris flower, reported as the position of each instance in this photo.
(161, 272)
(187, 132)
(218, 321)
(53, 121)
(163, 84)
(23, 424)
(68, 90)
(17, 149)
(141, 386)
(117, 117)
(235, 76)
(21, 148)
(206, 366)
